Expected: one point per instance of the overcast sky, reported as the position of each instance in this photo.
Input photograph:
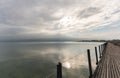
(86, 19)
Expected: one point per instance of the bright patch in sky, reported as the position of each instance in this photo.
(67, 20)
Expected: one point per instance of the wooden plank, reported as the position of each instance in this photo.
(109, 65)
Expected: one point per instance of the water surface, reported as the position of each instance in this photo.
(39, 59)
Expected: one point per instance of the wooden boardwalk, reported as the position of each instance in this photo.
(109, 65)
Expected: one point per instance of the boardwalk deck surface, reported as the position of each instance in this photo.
(109, 65)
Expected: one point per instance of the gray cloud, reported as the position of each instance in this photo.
(53, 18)
(89, 12)
(28, 12)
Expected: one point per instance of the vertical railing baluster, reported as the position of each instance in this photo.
(89, 63)
(96, 55)
(59, 70)
(99, 52)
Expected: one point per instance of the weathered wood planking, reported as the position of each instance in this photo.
(109, 65)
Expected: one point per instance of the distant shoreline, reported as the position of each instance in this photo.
(59, 40)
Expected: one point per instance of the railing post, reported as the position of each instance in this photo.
(59, 70)
(96, 55)
(89, 62)
(99, 52)
(102, 48)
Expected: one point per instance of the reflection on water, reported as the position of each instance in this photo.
(37, 60)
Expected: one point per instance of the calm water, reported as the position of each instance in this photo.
(38, 60)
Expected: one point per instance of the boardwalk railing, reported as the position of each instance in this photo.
(101, 49)
(59, 70)
(96, 55)
(89, 63)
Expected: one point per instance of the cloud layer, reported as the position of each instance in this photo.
(59, 18)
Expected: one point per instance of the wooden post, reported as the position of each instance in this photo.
(102, 49)
(89, 62)
(99, 52)
(59, 70)
(96, 55)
